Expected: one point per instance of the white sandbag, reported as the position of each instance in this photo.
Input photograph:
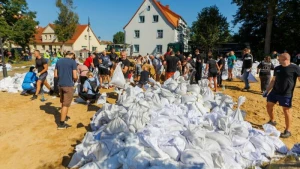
(218, 160)
(223, 140)
(193, 88)
(173, 147)
(188, 98)
(92, 165)
(195, 138)
(118, 78)
(251, 78)
(191, 156)
(262, 145)
(112, 162)
(116, 126)
(238, 115)
(102, 99)
(181, 89)
(279, 145)
(271, 130)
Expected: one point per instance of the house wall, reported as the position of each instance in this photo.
(148, 30)
(82, 41)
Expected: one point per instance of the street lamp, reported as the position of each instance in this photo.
(3, 59)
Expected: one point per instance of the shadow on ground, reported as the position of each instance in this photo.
(52, 110)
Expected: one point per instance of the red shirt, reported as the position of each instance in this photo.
(88, 61)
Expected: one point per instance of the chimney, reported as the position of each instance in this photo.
(167, 6)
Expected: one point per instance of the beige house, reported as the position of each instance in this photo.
(45, 39)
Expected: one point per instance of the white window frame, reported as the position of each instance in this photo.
(158, 33)
(157, 49)
(148, 8)
(140, 21)
(135, 33)
(134, 48)
(154, 18)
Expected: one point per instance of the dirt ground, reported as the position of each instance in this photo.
(30, 140)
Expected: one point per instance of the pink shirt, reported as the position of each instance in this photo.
(82, 70)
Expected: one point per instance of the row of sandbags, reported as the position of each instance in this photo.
(175, 125)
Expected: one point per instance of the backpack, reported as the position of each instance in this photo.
(94, 86)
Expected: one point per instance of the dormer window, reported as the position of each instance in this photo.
(148, 8)
(45, 37)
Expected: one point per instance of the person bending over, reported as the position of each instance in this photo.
(29, 82)
(90, 91)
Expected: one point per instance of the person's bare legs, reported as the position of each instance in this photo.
(100, 80)
(230, 74)
(38, 87)
(157, 77)
(288, 117)
(47, 84)
(270, 111)
(215, 84)
(64, 113)
(209, 79)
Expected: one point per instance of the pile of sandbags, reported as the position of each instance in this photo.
(14, 84)
(174, 125)
(8, 67)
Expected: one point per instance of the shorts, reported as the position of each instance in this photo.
(103, 71)
(212, 74)
(66, 95)
(230, 66)
(43, 76)
(284, 101)
(169, 74)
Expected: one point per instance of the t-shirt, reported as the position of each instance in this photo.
(54, 60)
(106, 63)
(88, 61)
(144, 76)
(82, 70)
(180, 57)
(113, 57)
(172, 63)
(125, 62)
(230, 60)
(212, 65)
(265, 68)
(65, 67)
(87, 85)
(285, 81)
(157, 64)
(221, 62)
(39, 64)
(247, 61)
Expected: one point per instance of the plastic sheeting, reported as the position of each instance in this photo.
(164, 128)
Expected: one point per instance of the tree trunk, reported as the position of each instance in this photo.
(271, 13)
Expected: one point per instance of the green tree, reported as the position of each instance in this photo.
(119, 38)
(17, 22)
(260, 16)
(66, 23)
(210, 28)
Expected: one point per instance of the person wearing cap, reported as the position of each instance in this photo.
(29, 82)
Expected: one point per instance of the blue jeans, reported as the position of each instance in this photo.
(245, 78)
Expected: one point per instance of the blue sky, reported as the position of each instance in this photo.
(110, 16)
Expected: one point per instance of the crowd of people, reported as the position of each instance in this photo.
(97, 70)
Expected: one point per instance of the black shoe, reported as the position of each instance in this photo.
(285, 134)
(67, 118)
(51, 92)
(273, 123)
(34, 97)
(63, 126)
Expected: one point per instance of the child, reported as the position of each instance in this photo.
(145, 74)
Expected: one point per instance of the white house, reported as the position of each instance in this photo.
(45, 39)
(153, 27)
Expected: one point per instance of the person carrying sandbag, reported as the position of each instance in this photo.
(91, 86)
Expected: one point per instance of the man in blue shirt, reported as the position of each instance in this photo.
(66, 72)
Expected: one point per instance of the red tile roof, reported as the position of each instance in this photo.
(171, 16)
(78, 32)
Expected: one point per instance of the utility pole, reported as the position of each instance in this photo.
(3, 59)
(89, 34)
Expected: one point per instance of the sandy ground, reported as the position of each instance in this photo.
(30, 140)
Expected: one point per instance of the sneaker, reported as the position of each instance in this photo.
(273, 123)
(33, 97)
(67, 118)
(63, 126)
(51, 92)
(285, 134)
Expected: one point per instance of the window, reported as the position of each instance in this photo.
(45, 37)
(83, 47)
(85, 37)
(50, 38)
(90, 37)
(158, 48)
(94, 48)
(148, 8)
(137, 34)
(136, 48)
(160, 34)
(155, 18)
(141, 19)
